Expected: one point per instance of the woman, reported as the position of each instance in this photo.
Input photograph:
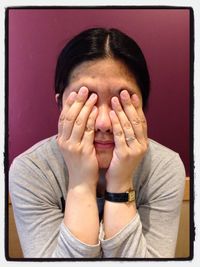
(100, 188)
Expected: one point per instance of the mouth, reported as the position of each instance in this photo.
(102, 145)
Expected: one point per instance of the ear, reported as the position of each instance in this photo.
(57, 98)
(58, 102)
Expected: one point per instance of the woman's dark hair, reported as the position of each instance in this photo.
(99, 43)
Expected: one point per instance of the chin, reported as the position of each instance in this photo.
(104, 160)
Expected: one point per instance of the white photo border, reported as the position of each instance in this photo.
(81, 3)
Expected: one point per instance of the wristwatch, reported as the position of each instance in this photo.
(128, 196)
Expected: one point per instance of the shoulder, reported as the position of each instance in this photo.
(165, 162)
(157, 150)
(45, 145)
(161, 156)
(45, 151)
(38, 174)
(42, 161)
(161, 170)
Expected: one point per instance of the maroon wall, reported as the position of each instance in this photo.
(35, 39)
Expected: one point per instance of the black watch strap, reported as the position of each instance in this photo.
(128, 196)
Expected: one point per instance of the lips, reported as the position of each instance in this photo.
(103, 144)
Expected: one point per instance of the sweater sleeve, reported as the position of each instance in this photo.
(38, 215)
(152, 233)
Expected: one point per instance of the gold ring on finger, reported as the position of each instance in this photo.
(130, 139)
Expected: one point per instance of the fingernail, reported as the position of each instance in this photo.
(93, 96)
(124, 94)
(135, 98)
(115, 100)
(83, 90)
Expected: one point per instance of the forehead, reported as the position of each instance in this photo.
(103, 76)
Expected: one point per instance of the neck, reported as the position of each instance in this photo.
(101, 183)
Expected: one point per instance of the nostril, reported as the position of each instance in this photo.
(103, 126)
(103, 122)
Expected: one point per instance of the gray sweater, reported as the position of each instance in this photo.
(38, 182)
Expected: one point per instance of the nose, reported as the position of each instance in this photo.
(103, 122)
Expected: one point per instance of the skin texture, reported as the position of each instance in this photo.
(102, 106)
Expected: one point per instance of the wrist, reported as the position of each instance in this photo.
(115, 187)
(82, 189)
(126, 197)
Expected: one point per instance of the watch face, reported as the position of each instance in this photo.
(131, 196)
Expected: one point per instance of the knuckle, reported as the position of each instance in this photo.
(70, 148)
(61, 118)
(79, 121)
(69, 117)
(143, 120)
(90, 125)
(118, 133)
(89, 128)
(127, 125)
(139, 151)
(136, 121)
(142, 149)
(145, 146)
(61, 143)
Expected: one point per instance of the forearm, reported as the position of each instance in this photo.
(117, 215)
(81, 214)
(76, 142)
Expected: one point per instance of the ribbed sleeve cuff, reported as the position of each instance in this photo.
(71, 247)
(121, 236)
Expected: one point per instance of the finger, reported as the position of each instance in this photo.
(123, 120)
(72, 113)
(81, 120)
(136, 102)
(88, 136)
(118, 133)
(69, 101)
(133, 116)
